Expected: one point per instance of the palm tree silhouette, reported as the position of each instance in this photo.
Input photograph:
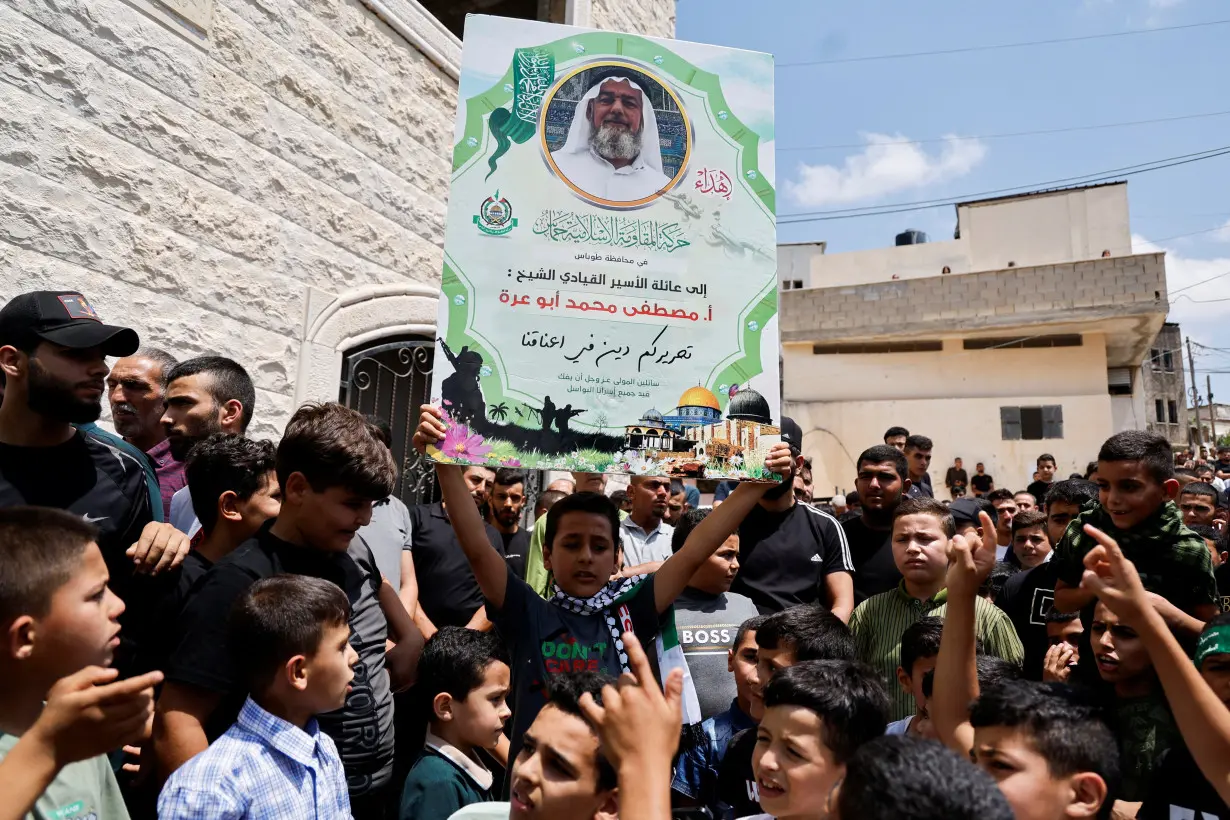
(500, 411)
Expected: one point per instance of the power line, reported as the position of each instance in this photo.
(932, 140)
(1083, 179)
(1201, 282)
(1026, 44)
(1184, 235)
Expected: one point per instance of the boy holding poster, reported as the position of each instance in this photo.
(579, 627)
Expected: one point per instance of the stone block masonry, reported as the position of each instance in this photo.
(197, 190)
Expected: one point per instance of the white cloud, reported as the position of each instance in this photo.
(1222, 234)
(1163, 4)
(888, 164)
(1190, 305)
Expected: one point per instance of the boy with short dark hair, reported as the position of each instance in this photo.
(918, 456)
(696, 775)
(707, 616)
(331, 469)
(1046, 476)
(920, 644)
(817, 714)
(1136, 488)
(906, 778)
(1063, 636)
(1198, 503)
(60, 620)
(801, 633)
(290, 635)
(1030, 542)
(1004, 503)
(922, 529)
(1049, 751)
(468, 675)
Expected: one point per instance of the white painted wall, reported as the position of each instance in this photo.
(834, 433)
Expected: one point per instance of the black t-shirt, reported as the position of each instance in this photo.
(1027, 598)
(784, 557)
(186, 577)
(1178, 789)
(1038, 490)
(1222, 576)
(956, 478)
(737, 787)
(363, 727)
(875, 571)
(448, 590)
(516, 547)
(106, 486)
(982, 483)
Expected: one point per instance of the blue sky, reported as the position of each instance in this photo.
(855, 104)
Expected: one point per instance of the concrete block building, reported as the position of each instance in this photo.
(1022, 335)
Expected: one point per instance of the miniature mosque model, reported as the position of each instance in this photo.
(696, 428)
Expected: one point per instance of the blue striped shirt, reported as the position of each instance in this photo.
(262, 768)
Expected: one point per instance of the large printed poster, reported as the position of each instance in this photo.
(609, 288)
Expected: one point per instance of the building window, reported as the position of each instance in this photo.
(798, 284)
(1172, 408)
(1167, 361)
(785, 284)
(1159, 411)
(1031, 423)
(1155, 358)
(1054, 340)
(920, 346)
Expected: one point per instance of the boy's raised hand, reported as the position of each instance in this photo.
(970, 559)
(1114, 580)
(89, 713)
(431, 428)
(637, 721)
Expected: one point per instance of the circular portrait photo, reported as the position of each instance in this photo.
(615, 134)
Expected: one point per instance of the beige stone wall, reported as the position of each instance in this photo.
(198, 193)
(655, 18)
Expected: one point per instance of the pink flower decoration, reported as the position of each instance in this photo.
(512, 462)
(461, 444)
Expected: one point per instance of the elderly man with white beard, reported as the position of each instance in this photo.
(612, 151)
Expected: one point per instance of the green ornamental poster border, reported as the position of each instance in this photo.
(475, 144)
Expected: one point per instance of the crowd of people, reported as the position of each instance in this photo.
(199, 624)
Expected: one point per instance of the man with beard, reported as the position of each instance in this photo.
(205, 395)
(612, 151)
(881, 481)
(136, 389)
(448, 592)
(644, 535)
(792, 553)
(53, 350)
(507, 503)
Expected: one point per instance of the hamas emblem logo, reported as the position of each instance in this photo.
(494, 216)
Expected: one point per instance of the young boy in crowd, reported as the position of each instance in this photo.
(1198, 503)
(1004, 503)
(1179, 789)
(1045, 476)
(801, 633)
(696, 775)
(707, 616)
(1063, 637)
(1136, 488)
(1049, 750)
(1026, 595)
(61, 621)
(921, 532)
(906, 778)
(331, 469)
(920, 643)
(290, 635)
(467, 671)
(578, 627)
(817, 714)
(1031, 544)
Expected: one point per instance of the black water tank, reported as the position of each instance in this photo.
(911, 237)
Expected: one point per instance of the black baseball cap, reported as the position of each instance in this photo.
(65, 318)
(792, 434)
(965, 511)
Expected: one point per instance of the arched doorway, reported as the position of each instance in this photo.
(391, 378)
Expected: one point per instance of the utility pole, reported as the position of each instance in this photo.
(1191, 364)
(1208, 383)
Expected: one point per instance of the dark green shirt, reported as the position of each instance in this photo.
(1172, 560)
(437, 787)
